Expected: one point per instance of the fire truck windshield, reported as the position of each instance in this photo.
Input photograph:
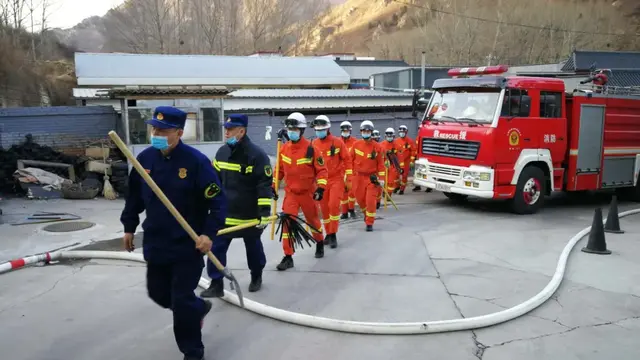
(460, 106)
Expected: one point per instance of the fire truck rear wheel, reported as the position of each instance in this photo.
(530, 191)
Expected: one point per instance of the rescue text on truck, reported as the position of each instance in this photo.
(489, 135)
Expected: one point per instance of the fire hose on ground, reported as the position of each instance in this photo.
(379, 328)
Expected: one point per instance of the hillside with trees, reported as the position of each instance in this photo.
(38, 60)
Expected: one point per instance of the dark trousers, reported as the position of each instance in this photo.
(256, 259)
(172, 285)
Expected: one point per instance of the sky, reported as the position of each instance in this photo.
(67, 13)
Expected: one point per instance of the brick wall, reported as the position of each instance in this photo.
(65, 128)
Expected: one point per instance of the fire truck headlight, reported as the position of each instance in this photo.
(476, 176)
(420, 168)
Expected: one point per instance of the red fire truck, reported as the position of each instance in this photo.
(485, 134)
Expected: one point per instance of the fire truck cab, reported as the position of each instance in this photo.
(519, 138)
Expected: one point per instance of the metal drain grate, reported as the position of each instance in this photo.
(69, 226)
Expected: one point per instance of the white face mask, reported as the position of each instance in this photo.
(346, 134)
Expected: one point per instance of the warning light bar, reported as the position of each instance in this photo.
(483, 70)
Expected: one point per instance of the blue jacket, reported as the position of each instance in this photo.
(246, 174)
(191, 184)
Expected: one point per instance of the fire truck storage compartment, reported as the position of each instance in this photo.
(590, 138)
(608, 134)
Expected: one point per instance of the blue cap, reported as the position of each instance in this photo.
(168, 117)
(235, 120)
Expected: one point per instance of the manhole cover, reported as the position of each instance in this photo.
(69, 226)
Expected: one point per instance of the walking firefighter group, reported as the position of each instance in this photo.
(232, 197)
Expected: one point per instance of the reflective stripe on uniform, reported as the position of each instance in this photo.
(335, 152)
(358, 152)
(322, 181)
(264, 202)
(326, 221)
(371, 214)
(235, 222)
(335, 218)
(303, 161)
(348, 172)
(223, 165)
(381, 173)
(286, 159)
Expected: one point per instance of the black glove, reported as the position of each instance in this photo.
(317, 195)
(282, 134)
(374, 179)
(275, 193)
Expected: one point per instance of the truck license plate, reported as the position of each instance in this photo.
(443, 187)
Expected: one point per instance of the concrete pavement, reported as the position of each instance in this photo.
(429, 261)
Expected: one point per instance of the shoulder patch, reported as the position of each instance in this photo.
(268, 171)
(211, 191)
(320, 161)
(182, 173)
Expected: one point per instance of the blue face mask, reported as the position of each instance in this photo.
(321, 133)
(159, 142)
(293, 135)
(366, 136)
(232, 141)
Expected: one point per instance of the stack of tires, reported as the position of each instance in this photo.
(119, 178)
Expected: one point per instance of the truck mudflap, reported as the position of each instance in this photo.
(476, 181)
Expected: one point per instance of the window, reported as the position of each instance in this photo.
(204, 121)
(211, 124)
(138, 131)
(550, 104)
(517, 103)
(457, 105)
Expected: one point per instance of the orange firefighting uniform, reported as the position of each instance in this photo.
(336, 157)
(406, 157)
(302, 176)
(348, 200)
(393, 177)
(368, 159)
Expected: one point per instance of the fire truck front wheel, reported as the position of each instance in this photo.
(530, 191)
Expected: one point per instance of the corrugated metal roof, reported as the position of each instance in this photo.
(165, 91)
(251, 103)
(316, 93)
(582, 60)
(626, 77)
(98, 69)
(372, 63)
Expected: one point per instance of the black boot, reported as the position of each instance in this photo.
(378, 205)
(333, 241)
(395, 191)
(192, 358)
(369, 228)
(401, 192)
(215, 290)
(256, 283)
(319, 250)
(327, 240)
(286, 263)
(352, 213)
(429, 190)
(344, 216)
(417, 188)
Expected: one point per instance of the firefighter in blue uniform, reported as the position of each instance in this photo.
(174, 261)
(246, 174)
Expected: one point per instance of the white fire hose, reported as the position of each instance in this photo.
(380, 328)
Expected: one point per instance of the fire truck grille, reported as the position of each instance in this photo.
(450, 148)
